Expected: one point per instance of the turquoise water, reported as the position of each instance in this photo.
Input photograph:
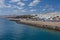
(10, 30)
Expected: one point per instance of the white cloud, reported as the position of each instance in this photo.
(17, 7)
(23, 10)
(32, 10)
(34, 3)
(14, 0)
(10, 5)
(20, 3)
(25, 0)
(50, 8)
(20, 8)
(15, 11)
(43, 9)
(47, 8)
(2, 3)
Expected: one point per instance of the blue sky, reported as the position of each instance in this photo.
(10, 7)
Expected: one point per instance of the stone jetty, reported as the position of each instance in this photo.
(39, 24)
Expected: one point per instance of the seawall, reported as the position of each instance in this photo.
(40, 24)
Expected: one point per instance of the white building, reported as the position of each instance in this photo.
(48, 15)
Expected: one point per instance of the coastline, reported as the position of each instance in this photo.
(39, 24)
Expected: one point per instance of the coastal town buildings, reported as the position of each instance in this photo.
(50, 17)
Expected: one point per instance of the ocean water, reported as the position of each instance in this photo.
(10, 30)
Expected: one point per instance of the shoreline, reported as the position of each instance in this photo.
(39, 24)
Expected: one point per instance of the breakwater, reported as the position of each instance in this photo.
(40, 24)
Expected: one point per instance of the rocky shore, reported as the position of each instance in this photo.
(39, 24)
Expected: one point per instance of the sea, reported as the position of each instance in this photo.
(10, 30)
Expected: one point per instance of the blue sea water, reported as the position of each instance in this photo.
(10, 30)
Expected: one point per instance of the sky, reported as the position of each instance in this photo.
(18, 7)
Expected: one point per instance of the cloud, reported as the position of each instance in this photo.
(34, 3)
(2, 3)
(14, 0)
(47, 8)
(32, 10)
(7, 9)
(25, 0)
(20, 8)
(43, 9)
(15, 11)
(15, 7)
(23, 10)
(20, 3)
(50, 8)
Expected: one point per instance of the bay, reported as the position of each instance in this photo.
(10, 30)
